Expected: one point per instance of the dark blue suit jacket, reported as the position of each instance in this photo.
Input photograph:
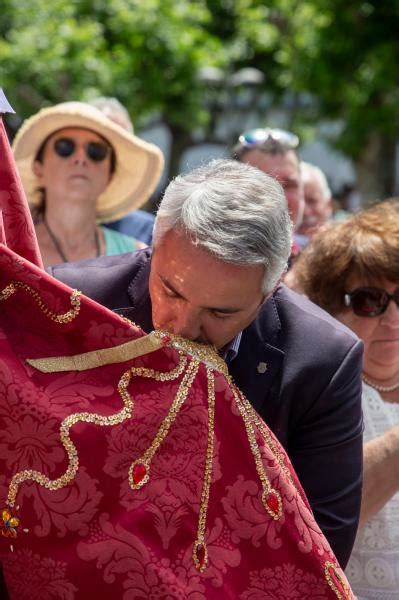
(309, 394)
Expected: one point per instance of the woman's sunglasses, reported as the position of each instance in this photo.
(95, 151)
(370, 301)
(266, 136)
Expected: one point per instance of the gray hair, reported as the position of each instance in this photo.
(232, 210)
(114, 110)
(310, 172)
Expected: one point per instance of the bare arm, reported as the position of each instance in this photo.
(380, 473)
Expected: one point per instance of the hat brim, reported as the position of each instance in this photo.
(138, 165)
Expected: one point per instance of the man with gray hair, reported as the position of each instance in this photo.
(222, 239)
(318, 204)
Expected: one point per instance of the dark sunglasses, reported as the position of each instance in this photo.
(370, 301)
(95, 151)
(268, 137)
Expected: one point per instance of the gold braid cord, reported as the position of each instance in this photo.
(334, 577)
(63, 318)
(253, 417)
(139, 471)
(86, 417)
(200, 551)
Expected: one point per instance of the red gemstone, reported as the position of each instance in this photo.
(165, 339)
(200, 554)
(139, 472)
(272, 502)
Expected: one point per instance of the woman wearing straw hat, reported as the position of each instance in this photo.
(79, 170)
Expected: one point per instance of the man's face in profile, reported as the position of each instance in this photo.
(198, 296)
(285, 168)
(318, 209)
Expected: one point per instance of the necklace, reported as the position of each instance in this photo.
(381, 388)
(57, 244)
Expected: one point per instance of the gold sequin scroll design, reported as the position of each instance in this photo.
(86, 417)
(63, 318)
(139, 472)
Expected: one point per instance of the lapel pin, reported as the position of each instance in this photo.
(262, 367)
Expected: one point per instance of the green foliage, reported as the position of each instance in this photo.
(48, 56)
(146, 53)
(341, 56)
(346, 54)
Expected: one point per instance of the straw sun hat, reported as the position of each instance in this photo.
(138, 163)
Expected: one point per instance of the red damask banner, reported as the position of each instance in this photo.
(16, 226)
(136, 469)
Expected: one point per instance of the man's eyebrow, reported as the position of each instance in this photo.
(228, 310)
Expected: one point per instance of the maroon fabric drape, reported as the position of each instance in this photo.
(16, 227)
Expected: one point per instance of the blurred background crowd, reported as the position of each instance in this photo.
(194, 75)
(305, 92)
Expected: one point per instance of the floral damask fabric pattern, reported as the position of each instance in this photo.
(286, 581)
(94, 535)
(40, 577)
(16, 226)
(176, 475)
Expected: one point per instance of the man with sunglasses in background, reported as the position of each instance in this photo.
(273, 151)
(222, 239)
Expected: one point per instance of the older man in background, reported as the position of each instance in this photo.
(318, 200)
(273, 151)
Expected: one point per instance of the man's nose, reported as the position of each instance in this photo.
(187, 323)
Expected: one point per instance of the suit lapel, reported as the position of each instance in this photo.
(140, 310)
(258, 365)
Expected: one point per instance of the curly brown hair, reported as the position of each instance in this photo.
(365, 246)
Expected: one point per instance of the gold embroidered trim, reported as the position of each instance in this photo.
(202, 352)
(85, 417)
(139, 471)
(63, 318)
(200, 550)
(253, 415)
(328, 567)
(98, 358)
(271, 498)
(128, 351)
(163, 430)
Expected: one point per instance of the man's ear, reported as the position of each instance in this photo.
(38, 169)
